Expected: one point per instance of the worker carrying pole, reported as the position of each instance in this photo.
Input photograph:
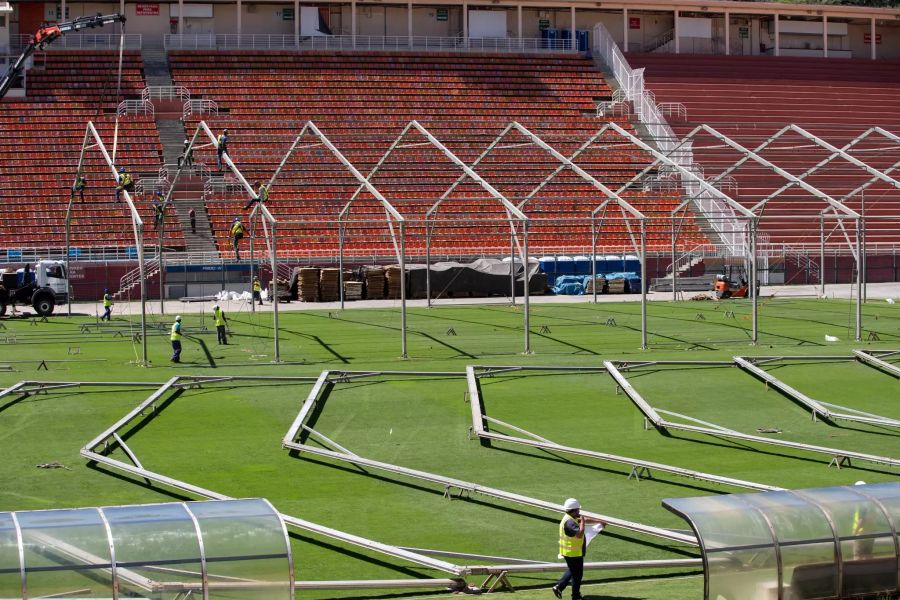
(573, 540)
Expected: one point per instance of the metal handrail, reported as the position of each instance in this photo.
(135, 107)
(83, 41)
(672, 110)
(165, 92)
(200, 107)
(361, 42)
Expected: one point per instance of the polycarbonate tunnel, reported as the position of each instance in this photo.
(216, 549)
(835, 542)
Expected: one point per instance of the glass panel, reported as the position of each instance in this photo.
(10, 577)
(806, 541)
(156, 548)
(66, 553)
(867, 546)
(245, 548)
(738, 544)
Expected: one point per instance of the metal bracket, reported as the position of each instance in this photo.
(638, 471)
(135, 337)
(495, 581)
(729, 314)
(699, 317)
(43, 365)
(466, 397)
(611, 322)
(2, 326)
(839, 461)
(545, 329)
(873, 337)
(85, 328)
(118, 334)
(448, 492)
(74, 350)
(451, 331)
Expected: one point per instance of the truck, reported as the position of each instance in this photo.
(42, 287)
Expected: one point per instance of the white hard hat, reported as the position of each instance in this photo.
(860, 482)
(178, 318)
(216, 307)
(571, 504)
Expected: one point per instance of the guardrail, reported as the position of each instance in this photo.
(200, 107)
(165, 92)
(83, 41)
(135, 107)
(361, 42)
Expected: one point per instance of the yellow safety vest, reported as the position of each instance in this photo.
(219, 316)
(125, 179)
(263, 193)
(222, 140)
(106, 301)
(80, 183)
(571, 546)
(237, 228)
(176, 331)
(256, 286)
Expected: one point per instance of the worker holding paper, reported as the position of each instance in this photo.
(574, 535)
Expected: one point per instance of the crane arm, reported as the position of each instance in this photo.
(47, 35)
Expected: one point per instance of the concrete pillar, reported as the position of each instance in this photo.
(297, 23)
(465, 20)
(777, 34)
(825, 36)
(677, 35)
(240, 9)
(625, 28)
(519, 21)
(62, 11)
(574, 41)
(727, 33)
(353, 22)
(872, 35)
(409, 20)
(181, 16)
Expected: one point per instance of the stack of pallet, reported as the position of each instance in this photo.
(353, 290)
(599, 282)
(329, 285)
(615, 286)
(309, 284)
(374, 283)
(393, 281)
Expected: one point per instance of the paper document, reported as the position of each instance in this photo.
(591, 532)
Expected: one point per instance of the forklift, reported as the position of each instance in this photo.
(732, 283)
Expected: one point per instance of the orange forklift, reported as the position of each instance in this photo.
(728, 285)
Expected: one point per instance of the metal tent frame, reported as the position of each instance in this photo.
(514, 216)
(93, 141)
(652, 416)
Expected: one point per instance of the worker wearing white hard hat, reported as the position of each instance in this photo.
(572, 546)
(221, 321)
(176, 340)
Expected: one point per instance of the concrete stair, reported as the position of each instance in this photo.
(184, 200)
(156, 66)
(171, 135)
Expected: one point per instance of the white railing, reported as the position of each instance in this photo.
(147, 185)
(220, 185)
(135, 107)
(361, 42)
(196, 169)
(720, 215)
(672, 110)
(200, 107)
(82, 41)
(165, 92)
(133, 277)
(659, 41)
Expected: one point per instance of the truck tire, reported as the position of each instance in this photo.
(43, 303)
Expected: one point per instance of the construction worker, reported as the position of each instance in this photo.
(221, 321)
(221, 146)
(107, 305)
(126, 182)
(572, 545)
(262, 195)
(257, 291)
(159, 210)
(176, 340)
(237, 234)
(193, 218)
(79, 186)
(187, 156)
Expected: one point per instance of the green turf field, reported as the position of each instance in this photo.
(227, 436)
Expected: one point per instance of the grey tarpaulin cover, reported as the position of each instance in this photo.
(483, 277)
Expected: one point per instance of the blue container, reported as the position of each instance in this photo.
(632, 263)
(549, 37)
(581, 38)
(582, 265)
(565, 265)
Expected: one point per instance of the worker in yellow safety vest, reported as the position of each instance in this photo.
(107, 305)
(572, 545)
(176, 340)
(237, 234)
(262, 195)
(126, 182)
(220, 320)
(863, 525)
(257, 291)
